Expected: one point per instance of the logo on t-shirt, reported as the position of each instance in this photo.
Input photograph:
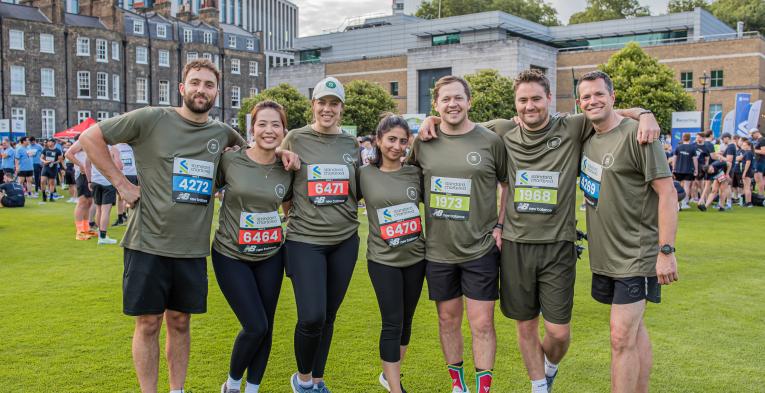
(473, 158)
(348, 158)
(213, 146)
(553, 143)
(280, 190)
(608, 160)
(411, 193)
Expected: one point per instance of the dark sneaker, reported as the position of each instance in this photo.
(550, 381)
(296, 388)
(702, 208)
(119, 222)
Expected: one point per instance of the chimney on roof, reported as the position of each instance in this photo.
(53, 9)
(162, 7)
(106, 11)
(209, 13)
(739, 29)
(184, 11)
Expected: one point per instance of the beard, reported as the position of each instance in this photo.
(190, 102)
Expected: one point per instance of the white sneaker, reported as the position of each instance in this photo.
(685, 206)
(458, 390)
(71, 200)
(383, 381)
(106, 240)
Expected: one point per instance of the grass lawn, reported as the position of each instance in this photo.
(62, 328)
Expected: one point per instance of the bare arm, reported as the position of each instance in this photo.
(92, 141)
(497, 232)
(71, 155)
(666, 265)
(729, 160)
(648, 127)
(286, 207)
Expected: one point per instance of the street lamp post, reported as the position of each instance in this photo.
(703, 79)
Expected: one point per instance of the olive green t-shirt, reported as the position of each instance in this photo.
(249, 225)
(393, 210)
(176, 160)
(542, 168)
(324, 204)
(622, 207)
(460, 175)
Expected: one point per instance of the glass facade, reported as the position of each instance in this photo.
(619, 41)
(445, 39)
(310, 56)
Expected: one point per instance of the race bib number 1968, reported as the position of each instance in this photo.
(535, 192)
(192, 181)
(589, 180)
(449, 198)
(399, 224)
(259, 232)
(328, 184)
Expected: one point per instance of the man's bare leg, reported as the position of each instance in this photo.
(146, 351)
(625, 357)
(177, 347)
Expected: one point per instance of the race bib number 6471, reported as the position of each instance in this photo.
(328, 184)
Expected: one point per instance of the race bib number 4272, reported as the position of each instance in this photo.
(259, 232)
(328, 184)
(400, 224)
(449, 198)
(192, 181)
(589, 180)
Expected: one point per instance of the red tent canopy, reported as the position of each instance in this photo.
(76, 130)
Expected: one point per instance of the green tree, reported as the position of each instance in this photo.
(751, 12)
(295, 104)
(493, 96)
(364, 103)
(598, 10)
(534, 10)
(641, 81)
(686, 5)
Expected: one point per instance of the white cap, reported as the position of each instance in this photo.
(329, 87)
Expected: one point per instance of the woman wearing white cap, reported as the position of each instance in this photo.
(322, 240)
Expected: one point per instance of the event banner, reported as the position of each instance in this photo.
(683, 122)
(742, 114)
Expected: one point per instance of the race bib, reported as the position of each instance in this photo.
(536, 192)
(259, 233)
(449, 198)
(328, 184)
(589, 180)
(128, 161)
(192, 181)
(400, 224)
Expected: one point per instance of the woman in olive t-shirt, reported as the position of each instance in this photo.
(246, 253)
(395, 246)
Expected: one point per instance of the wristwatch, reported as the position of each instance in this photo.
(645, 112)
(667, 249)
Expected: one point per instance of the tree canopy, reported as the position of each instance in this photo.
(364, 103)
(751, 12)
(598, 10)
(675, 6)
(534, 10)
(493, 96)
(295, 105)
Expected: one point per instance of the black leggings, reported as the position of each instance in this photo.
(398, 291)
(252, 291)
(320, 277)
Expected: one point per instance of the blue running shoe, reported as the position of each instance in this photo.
(550, 381)
(296, 388)
(321, 388)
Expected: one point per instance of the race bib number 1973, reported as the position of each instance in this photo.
(449, 198)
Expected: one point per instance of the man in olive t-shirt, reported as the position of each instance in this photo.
(177, 151)
(632, 222)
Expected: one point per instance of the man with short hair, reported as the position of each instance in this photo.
(50, 158)
(686, 165)
(704, 150)
(24, 166)
(168, 235)
(11, 193)
(631, 224)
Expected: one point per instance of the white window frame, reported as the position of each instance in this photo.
(18, 80)
(47, 84)
(254, 68)
(164, 93)
(232, 41)
(207, 56)
(188, 35)
(82, 115)
(250, 44)
(115, 50)
(47, 43)
(138, 27)
(48, 122)
(102, 51)
(236, 97)
(19, 114)
(207, 38)
(236, 66)
(102, 86)
(83, 46)
(16, 39)
(190, 56)
(102, 115)
(161, 30)
(254, 91)
(141, 90)
(164, 58)
(115, 87)
(141, 55)
(83, 83)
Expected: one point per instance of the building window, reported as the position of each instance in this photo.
(48, 123)
(162, 31)
(231, 41)
(188, 35)
(18, 80)
(138, 27)
(101, 116)
(250, 44)
(83, 84)
(541, 69)
(191, 56)
(310, 56)
(207, 56)
(141, 91)
(235, 97)
(115, 87)
(394, 89)
(46, 43)
(82, 116)
(445, 39)
(18, 115)
(235, 66)
(717, 78)
(115, 114)
(141, 55)
(102, 55)
(83, 46)
(253, 91)
(102, 88)
(115, 50)
(164, 92)
(310, 93)
(714, 108)
(164, 58)
(254, 68)
(207, 38)
(686, 79)
(16, 39)
(47, 82)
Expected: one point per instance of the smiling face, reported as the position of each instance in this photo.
(199, 90)
(327, 111)
(393, 144)
(595, 100)
(453, 104)
(532, 104)
(267, 129)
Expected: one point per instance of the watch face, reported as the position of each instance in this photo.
(667, 249)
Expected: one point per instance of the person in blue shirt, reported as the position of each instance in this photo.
(24, 166)
(8, 156)
(36, 163)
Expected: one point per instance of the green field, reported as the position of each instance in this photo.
(62, 328)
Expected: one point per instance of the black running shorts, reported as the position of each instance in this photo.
(476, 279)
(609, 290)
(82, 187)
(104, 195)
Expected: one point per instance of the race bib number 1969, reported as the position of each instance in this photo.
(399, 224)
(589, 180)
(449, 198)
(192, 181)
(535, 192)
(328, 184)
(259, 232)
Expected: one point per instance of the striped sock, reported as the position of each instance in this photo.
(483, 380)
(457, 372)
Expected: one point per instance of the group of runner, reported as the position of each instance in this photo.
(723, 172)
(522, 253)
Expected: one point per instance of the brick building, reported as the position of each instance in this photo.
(60, 68)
